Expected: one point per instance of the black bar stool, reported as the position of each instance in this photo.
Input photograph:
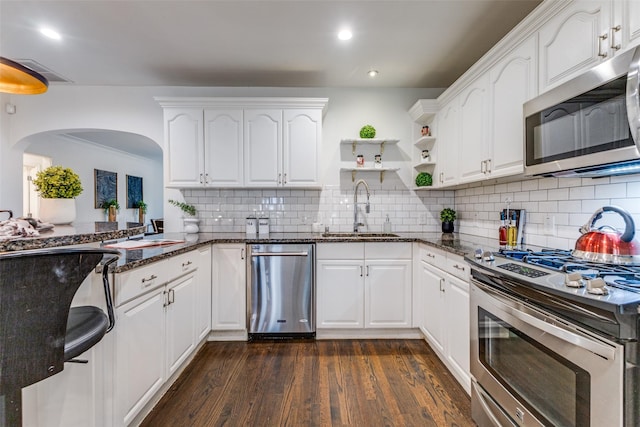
(39, 331)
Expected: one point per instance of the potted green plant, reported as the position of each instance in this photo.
(111, 207)
(190, 223)
(142, 210)
(447, 216)
(58, 187)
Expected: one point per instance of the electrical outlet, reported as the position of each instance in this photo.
(550, 225)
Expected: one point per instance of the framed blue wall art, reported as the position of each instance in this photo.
(134, 191)
(106, 187)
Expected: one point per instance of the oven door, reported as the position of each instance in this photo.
(531, 368)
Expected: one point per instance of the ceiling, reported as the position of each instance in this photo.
(288, 43)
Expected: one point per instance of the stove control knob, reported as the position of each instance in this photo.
(574, 280)
(597, 286)
(487, 256)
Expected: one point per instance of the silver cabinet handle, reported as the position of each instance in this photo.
(279, 179)
(172, 296)
(367, 271)
(441, 285)
(600, 40)
(186, 264)
(456, 266)
(613, 44)
(148, 279)
(201, 179)
(206, 178)
(483, 165)
(360, 271)
(442, 177)
(487, 168)
(242, 253)
(430, 255)
(285, 179)
(165, 294)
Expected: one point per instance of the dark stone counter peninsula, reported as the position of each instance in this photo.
(153, 248)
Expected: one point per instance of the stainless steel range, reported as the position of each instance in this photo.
(554, 340)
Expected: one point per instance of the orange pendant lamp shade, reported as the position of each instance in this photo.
(18, 79)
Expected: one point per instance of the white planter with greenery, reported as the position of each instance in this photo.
(58, 187)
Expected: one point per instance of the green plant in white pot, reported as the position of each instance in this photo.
(58, 187)
(190, 221)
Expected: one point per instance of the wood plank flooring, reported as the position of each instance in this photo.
(314, 383)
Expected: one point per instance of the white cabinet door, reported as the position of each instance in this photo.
(512, 82)
(229, 289)
(457, 325)
(223, 148)
(301, 146)
(203, 295)
(473, 131)
(629, 24)
(447, 145)
(262, 145)
(340, 294)
(572, 41)
(181, 319)
(387, 294)
(139, 354)
(432, 282)
(184, 142)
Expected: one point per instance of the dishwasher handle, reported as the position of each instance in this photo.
(257, 254)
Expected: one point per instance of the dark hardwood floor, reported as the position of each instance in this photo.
(314, 383)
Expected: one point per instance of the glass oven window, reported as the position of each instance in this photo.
(589, 123)
(551, 387)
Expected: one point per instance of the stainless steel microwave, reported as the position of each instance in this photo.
(588, 126)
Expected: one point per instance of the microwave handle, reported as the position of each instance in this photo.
(633, 97)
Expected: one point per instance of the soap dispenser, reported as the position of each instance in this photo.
(387, 225)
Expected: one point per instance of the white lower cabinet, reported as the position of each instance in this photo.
(203, 294)
(155, 330)
(363, 285)
(229, 288)
(442, 293)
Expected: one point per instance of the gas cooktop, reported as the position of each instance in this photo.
(625, 277)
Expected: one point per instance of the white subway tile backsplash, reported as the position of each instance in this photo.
(611, 191)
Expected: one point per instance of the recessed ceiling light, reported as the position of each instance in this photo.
(345, 35)
(52, 34)
(372, 73)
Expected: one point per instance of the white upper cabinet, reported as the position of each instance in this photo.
(184, 145)
(447, 150)
(575, 39)
(512, 82)
(223, 148)
(301, 142)
(262, 146)
(242, 142)
(474, 151)
(629, 22)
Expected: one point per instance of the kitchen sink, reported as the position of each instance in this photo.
(360, 235)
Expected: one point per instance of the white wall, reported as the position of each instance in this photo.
(84, 158)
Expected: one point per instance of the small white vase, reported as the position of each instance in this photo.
(57, 211)
(191, 225)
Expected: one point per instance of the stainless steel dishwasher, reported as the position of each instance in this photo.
(281, 294)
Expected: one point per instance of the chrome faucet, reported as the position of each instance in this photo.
(356, 223)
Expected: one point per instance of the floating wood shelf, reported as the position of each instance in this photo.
(368, 141)
(354, 171)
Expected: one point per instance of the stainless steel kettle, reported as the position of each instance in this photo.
(606, 244)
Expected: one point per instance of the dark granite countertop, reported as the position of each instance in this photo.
(74, 234)
(102, 234)
(459, 244)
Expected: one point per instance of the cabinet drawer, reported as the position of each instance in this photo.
(388, 250)
(458, 267)
(178, 265)
(340, 251)
(433, 256)
(133, 283)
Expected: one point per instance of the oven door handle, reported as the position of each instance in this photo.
(557, 331)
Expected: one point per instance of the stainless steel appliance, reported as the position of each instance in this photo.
(554, 340)
(281, 300)
(588, 126)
